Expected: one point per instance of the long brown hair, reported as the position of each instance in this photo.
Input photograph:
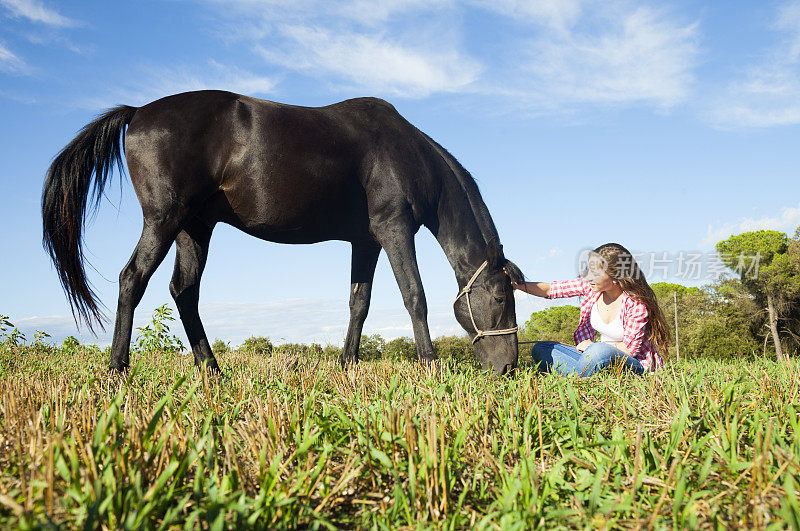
(620, 265)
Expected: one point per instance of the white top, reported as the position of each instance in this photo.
(609, 332)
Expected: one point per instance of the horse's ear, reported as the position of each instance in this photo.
(514, 272)
(494, 254)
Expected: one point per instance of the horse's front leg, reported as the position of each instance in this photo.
(362, 272)
(398, 242)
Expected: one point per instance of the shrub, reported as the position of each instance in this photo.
(299, 348)
(155, 336)
(455, 348)
(220, 347)
(331, 352)
(556, 323)
(401, 348)
(258, 345)
(716, 321)
(70, 344)
(12, 337)
(371, 347)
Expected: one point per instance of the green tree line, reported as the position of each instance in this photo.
(754, 311)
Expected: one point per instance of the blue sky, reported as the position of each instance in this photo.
(665, 126)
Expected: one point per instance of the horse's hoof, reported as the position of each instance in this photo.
(213, 371)
(218, 375)
(347, 363)
(118, 370)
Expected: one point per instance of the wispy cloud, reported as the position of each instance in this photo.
(768, 93)
(553, 54)
(35, 11)
(153, 82)
(615, 53)
(786, 221)
(334, 12)
(558, 15)
(10, 63)
(375, 12)
(372, 62)
(385, 47)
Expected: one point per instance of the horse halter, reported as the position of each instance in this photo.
(480, 333)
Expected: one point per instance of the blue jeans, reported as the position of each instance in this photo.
(564, 359)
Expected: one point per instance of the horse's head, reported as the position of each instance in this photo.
(485, 308)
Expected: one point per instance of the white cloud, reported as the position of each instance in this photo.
(373, 62)
(152, 83)
(619, 55)
(10, 62)
(380, 11)
(35, 11)
(787, 221)
(406, 48)
(558, 15)
(769, 92)
(546, 55)
(368, 12)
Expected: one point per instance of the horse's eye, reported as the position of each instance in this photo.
(499, 300)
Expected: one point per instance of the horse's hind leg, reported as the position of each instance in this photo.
(362, 272)
(190, 259)
(153, 245)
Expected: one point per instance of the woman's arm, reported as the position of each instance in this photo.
(621, 346)
(556, 289)
(540, 289)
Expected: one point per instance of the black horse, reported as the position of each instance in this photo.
(355, 171)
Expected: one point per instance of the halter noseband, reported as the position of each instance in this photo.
(480, 333)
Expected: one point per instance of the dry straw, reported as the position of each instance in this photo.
(292, 441)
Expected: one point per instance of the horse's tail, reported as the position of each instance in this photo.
(66, 194)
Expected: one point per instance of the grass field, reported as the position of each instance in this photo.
(293, 441)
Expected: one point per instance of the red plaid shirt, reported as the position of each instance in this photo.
(634, 320)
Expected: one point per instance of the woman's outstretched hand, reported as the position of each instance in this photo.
(540, 289)
(513, 284)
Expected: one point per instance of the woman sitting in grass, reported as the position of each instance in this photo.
(617, 302)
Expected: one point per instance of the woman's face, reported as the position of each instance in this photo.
(597, 277)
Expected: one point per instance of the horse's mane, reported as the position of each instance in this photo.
(478, 206)
(470, 187)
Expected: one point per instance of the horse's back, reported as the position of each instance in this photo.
(281, 172)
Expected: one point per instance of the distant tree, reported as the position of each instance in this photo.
(303, 349)
(371, 347)
(331, 352)
(455, 348)
(687, 298)
(557, 323)
(792, 327)
(219, 347)
(768, 264)
(792, 320)
(401, 348)
(712, 322)
(260, 346)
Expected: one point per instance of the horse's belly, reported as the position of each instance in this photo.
(300, 212)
